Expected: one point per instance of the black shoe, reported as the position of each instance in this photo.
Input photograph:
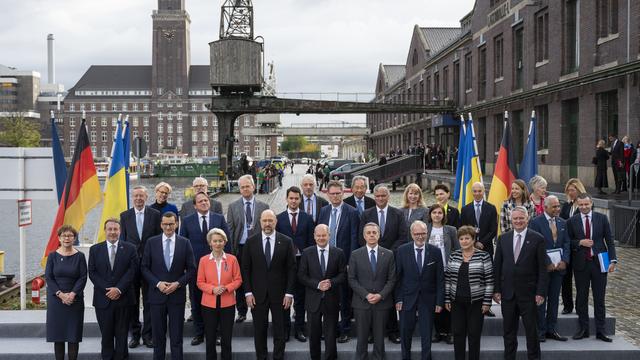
(601, 336)
(343, 339)
(197, 340)
(218, 340)
(287, 337)
(541, 338)
(567, 310)
(490, 314)
(448, 339)
(300, 336)
(436, 338)
(370, 339)
(241, 318)
(134, 343)
(190, 318)
(394, 339)
(581, 334)
(555, 336)
(148, 342)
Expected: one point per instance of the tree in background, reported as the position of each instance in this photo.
(16, 131)
(293, 144)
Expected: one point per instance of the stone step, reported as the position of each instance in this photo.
(35, 348)
(31, 324)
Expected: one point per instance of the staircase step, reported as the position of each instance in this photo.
(36, 348)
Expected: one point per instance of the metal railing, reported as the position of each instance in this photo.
(392, 170)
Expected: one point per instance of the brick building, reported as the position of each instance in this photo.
(165, 101)
(575, 62)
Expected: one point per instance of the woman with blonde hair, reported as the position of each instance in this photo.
(413, 205)
(538, 186)
(162, 192)
(600, 161)
(519, 197)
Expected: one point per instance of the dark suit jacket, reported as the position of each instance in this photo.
(310, 274)
(188, 208)
(526, 278)
(272, 283)
(395, 231)
(541, 225)
(150, 227)
(121, 277)
(453, 216)
(347, 237)
(320, 203)
(413, 287)
(303, 237)
(600, 234)
(183, 269)
(368, 202)
(363, 281)
(488, 223)
(617, 155)
(191, 229)
(566, 210)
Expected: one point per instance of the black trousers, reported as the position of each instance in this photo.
(298, 305)
(442, 322)
(114, 326)
(214, 319)
(261, 325)
(325, 320)
(195, 296)
(591, 276)
(392, 322)
(422, 312)
(466, 324)
(346, 311)
(241, 302)
(567, 288)
(159, 315)
(512, 310)
(140, 329)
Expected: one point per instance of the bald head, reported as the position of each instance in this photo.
(268, 221)
(478, 191)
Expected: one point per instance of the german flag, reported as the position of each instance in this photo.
(81, 192)
(505, 171)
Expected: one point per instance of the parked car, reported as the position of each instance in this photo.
(336, 163)
(339, 173)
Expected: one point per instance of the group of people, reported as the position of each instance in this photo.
(391, 269)
(625, 164)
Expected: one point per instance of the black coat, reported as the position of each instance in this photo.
(601, 168)
(121, 276)
(310, 274)
(488, 223)
(395, 233)
(150, 227)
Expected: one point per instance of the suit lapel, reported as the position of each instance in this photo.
(509, 244)
(145, 222)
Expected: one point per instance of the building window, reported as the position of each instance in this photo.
(103, 122)
(124, 106)
(482, 73)
(194, 136)
(205, 135)
(205, 121)
(468, 72)
(179, 115)
(145, 121)
(195, 151)
(205, 151)
(159, 115)
(246, 149)
(135, 107)
(436, 86)
(179, 104)
(571, 36)
(135, 121)
(104, 151)
(72, 122)
(179, 91)
(247, 121)
(93, 107)
(456, 82)
(145, 107)
(135, 133)
(499, 129)
(256, 150)
(114, 107)
(145, 135)
(179, 141)
(81, 107)
(214, 151)
(169, 141)
(542, 36)
(169, 128)
(160, 90)
(214, 122)
(104, 136)
(160, 129)
(215, 136)
(607, 114)
(169, 116)
(542, 115)
(72, 139)
(235, 150)
(72, 107)
(445, 82)
(518, 57)
(179, 128)
(160, 143)
(114, 121)
(498, 56)
(607, 17)
(169, 105)
(93, 136)
(414, 57)
(94, 150)
(194, 107)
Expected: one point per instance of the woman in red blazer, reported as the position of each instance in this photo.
(218, 278)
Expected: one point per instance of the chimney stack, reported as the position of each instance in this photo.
(51, 61)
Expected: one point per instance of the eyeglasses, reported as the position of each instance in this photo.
(168, 224)
(420, 234)
(67, 235)
(163, 192)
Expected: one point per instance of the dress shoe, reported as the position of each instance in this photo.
(555, 336)
(197, 340)
(218, 340)
(603, 337)
(541, 338)
(448, 339)
(490, 314)
(287, 337)
(343, 339)
(370, 339)
(241, 318)
(134, 343)
(567, 310)
(436, 338)
(300, 336)
(394, 339)
(581, 334)
(148, 343)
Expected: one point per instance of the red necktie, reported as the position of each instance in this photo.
(294, 223)
(587, 234)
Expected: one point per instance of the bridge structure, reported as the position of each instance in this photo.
(315, 129)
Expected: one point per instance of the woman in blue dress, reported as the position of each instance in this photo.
(66, 275)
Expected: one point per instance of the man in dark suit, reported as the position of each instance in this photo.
(393, 230)
(322, 270)
(617, 162)
(199, 184)
(554, 230)
(483, 216)
(343, 222)
(299, 227)
(268, 273)
(372, 276)
(112, 268)
(520, 268)
(139, 224)
(359, 200)
(195, 228)
(168, 266)
(590, 235)
(441, 191)
(419, 288)
(311, 203)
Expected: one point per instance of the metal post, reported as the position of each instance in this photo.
(23, 248)
(139, 152)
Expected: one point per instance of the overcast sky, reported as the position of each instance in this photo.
(317, 45)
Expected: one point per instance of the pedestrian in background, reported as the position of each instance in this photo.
(600, 161)
(538, 186)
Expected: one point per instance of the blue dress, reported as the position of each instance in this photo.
(65, 273)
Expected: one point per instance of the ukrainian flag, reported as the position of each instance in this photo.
(115, 193)
(460, 162)
(471, 168)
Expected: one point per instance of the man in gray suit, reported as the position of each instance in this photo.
(243, 218)
(199, 184)
(372, 276)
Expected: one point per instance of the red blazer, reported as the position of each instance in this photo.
(208, 279)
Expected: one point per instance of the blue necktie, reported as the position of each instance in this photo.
(333, 226)
(167, 255)
(139, 224)
(360, 207)
(373, 261)
(267, 252)
(419, 260)
(381, 223)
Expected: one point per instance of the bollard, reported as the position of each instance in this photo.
(1, 262)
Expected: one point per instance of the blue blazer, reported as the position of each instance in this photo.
(190, 228)
(413, 287)
(121, 277)
(541, 225)
(183, 269)
(348, 225)
(303, 238)
(600, 234)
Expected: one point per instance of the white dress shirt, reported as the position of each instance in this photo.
(218, 264)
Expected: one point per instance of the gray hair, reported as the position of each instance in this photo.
(417, 223)
(308, 177)
(247, 177)
(141, 187)
(360, 177)
(371, 224)
(537, 182)
(322, 226)
(381, 187)
(547, 200)
(520, 208)
(216, 231)
(198, 180)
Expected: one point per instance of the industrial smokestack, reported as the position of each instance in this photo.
(51, 60)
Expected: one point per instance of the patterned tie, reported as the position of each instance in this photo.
(360, 207)
(516, 251)
(112, 255)
(478, 213)
(167, 255)
(333, 226)
(419, 259)
(267, 252)
(587, 235)
(381, 222)
(248, 216)
(309, 209)
(323, 265)
(554, 229)
(139, 224)
(373, 261)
